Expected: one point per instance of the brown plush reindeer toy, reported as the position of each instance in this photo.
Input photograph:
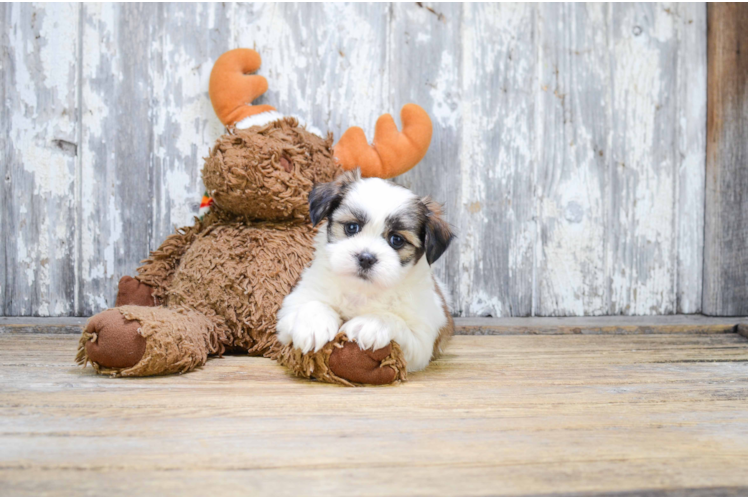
(217, 285)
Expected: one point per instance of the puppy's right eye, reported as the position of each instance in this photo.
(351, 228)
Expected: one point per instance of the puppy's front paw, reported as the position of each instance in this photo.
(369, 331)
(310, 327)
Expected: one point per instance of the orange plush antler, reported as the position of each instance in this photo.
(232, 89)
(391, 153)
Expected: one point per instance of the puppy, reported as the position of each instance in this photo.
(371, 276)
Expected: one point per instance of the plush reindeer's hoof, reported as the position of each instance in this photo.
(132, 292)
(362, 367)
(115, 341)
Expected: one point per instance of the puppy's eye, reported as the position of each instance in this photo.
(351, 228)
(397, 241)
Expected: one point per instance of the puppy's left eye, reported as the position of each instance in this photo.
(351, 228)
(397, 241)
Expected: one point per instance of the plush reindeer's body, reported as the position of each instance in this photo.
(217, 285)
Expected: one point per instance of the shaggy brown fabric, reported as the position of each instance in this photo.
(238, 274)
(176, 341)
(114, 342)
(266, 173)
(311, 365)
(158, 269)
(348, 362)
(317, 365)
(132, 292)
(221, 281)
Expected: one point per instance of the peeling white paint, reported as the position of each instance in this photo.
(496, 154)
(645, 166)
(483, 304)
(446, 107)
(101, 214)
(580, 154)
(41, 97)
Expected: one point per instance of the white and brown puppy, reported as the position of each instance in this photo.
(371, 276)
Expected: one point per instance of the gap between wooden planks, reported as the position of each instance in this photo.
(497, 415)
(681, 323)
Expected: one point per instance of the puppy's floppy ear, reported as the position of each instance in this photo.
(325, 198)
(437, 233)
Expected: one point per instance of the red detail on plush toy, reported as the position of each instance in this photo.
(206, 202)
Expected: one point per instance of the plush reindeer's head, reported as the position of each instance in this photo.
(266, 170)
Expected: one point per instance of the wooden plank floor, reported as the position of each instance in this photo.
(498, 415)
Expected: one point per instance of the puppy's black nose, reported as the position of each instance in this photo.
(366, 260)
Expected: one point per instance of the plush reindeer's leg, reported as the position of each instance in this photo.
(343, 362)
(158, 269)
(380, 367)
(109, 340)
(132, 341)
(132, 292)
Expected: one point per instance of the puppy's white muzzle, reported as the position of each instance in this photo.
(369, 259)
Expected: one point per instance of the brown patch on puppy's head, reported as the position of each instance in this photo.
(266, 172)
(377, 231)
(325, 198)
(437, 235)
(421, 225)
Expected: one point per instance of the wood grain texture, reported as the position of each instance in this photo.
(496, 265)
(690, 154)
(325, 62)
(572, 171)
(568, 146)
(622, 159)
(726, 218)
(117, 144)
(591, 325)
(189, 38)
(742, 329)
(5, 188)
(425, 66)
(505, 415)
(39, 157)
(587, 325)
(642, 174)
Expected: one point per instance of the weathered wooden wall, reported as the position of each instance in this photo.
(569, 140)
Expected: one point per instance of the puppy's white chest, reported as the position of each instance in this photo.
(354, 304)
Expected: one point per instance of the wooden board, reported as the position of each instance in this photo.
(39, 158)
(568, 147)
(504, 415)
(498, 134)
(431, 42)
(726, 250)
(574, 100)
(4, 146)
(622, 113)
(591, 325)
(596, 325)
(117, 144)
(187, 39)
(690, 155)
